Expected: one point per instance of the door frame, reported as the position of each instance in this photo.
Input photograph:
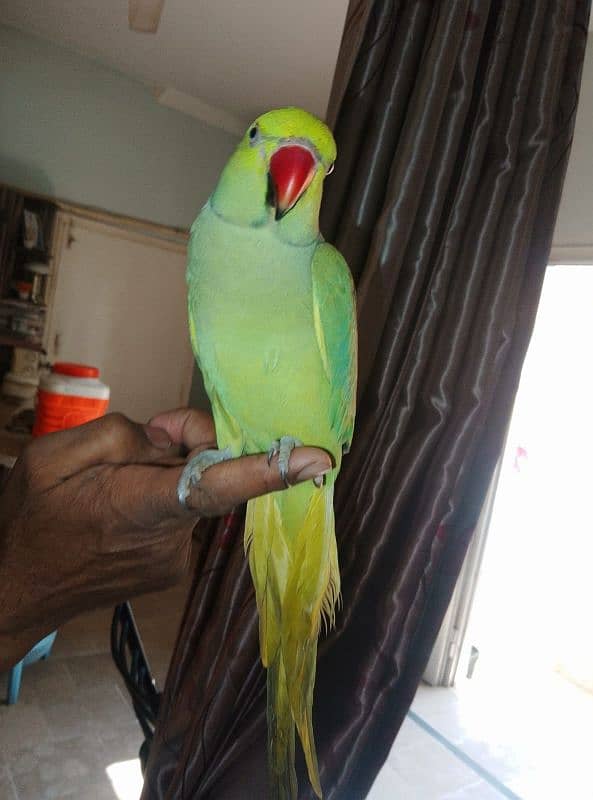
(449, 644)
(444, 659)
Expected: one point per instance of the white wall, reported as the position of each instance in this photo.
(575, 217)
(79, 131)
(73, 129)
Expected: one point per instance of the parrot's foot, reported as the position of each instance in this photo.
(283, 447)
(195, 468)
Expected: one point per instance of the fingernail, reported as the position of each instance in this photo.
(319, 480)
(158, 437)
(313, 471)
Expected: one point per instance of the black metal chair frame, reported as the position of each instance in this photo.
(130, 659)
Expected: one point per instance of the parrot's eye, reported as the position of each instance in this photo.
(330, 169)
(253, 133)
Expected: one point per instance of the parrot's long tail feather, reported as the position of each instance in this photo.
(281, 738)
(293, 560)
(263, 517)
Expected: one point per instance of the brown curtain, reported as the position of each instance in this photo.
(454, 122)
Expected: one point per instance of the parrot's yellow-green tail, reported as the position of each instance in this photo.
(280, 734)
(291, 541)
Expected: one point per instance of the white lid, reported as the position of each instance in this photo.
(76, 387)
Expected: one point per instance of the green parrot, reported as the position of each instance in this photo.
(273, 327)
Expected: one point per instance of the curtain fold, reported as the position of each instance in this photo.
(454, 122)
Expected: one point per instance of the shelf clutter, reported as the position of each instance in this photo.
(26, 225)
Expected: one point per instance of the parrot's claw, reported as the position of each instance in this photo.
(194, 469)
(283, 447)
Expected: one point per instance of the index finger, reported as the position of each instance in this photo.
(151, 492)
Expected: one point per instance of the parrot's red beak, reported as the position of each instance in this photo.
(292, 168)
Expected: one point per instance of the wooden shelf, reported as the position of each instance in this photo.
(25, 305)
(15, 261)
(33, 254)
(9, 339)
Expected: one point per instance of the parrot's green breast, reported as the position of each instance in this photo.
(253, 332)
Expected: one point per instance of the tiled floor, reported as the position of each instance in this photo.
(73, 733)
(500, 736)
(420, 768)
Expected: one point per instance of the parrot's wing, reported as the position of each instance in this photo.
(334, 309)
(193, 265)
(191, 270)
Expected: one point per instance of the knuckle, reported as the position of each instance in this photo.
(115, 422)
(119, 433)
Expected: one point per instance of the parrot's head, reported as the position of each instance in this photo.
(276, 173)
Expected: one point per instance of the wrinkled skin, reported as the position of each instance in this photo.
(89, 517)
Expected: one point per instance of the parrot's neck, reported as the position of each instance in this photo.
(242, 202)
(239, 197)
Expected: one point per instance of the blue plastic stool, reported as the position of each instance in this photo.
(41, 650)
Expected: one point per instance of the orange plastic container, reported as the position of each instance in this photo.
(70, 395)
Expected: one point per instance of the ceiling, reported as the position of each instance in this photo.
(240, 58)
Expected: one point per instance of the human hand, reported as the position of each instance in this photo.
(90, 516)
